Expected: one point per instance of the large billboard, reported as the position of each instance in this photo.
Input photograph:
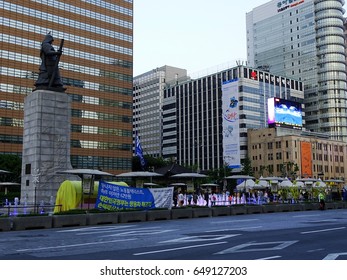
(285, 113)
(231, 123)
(306, 159)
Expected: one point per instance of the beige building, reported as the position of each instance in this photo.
(295, 153)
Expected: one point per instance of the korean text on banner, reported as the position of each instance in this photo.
(116, 197)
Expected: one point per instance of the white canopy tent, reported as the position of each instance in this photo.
(246, 185)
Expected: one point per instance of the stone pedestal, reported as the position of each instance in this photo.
(46, 145)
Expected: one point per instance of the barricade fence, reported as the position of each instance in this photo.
(30, 209)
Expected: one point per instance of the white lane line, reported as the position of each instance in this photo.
(236, 221)
(73, 245)
(315, 250)
(229, 229)
(100, 228)
(270, 258)
(305, 216)
(179, 248)
(334, 256)
(322, 230)
(327, 220)
(118, 231)
(141, 233)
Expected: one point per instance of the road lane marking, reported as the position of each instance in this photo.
(252, 247)
(269, 258)
(94, 229)
(200, 238)
(334, 256)
(322, 230)
(230, 229)
(235, 221)
(73, 245)
(139, 232)
(178, 248)
(315, 250)
(305, 216)
(120, 231)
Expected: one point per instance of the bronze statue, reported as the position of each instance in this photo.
(49, 76)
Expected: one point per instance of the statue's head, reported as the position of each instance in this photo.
(48, 38)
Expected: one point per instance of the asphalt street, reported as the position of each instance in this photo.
(308, 235)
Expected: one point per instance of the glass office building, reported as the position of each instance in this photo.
(305, 40)
(96, 66)
(147, 106)
(196, 138)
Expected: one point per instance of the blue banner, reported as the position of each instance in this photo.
(116, 197)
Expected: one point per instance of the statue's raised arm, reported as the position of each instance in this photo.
(49, 76)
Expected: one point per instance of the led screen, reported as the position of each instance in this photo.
(284, 113)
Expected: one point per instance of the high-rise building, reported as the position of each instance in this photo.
(96, 66)
(147, 106)
(200, 106)
(305, 40)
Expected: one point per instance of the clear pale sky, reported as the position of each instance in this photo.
(191, 34)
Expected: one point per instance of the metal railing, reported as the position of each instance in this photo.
(15, 210)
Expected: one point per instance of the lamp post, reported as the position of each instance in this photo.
(36, 181)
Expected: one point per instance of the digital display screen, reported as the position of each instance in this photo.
(284, 113)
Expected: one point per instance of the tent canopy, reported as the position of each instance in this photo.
(139, 174)
(240, 177)
(249, 183)
(189, 175)
(85, 171)
(172, 169)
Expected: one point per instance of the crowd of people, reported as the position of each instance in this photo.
(225, 198)
(210, 198)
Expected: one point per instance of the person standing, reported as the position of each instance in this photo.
(180, 199)
(189, 198)
(321, 199)
(206, 196)
(175, 198)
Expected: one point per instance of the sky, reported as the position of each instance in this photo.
(191, 34)
(196, 35)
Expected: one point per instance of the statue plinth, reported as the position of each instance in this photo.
(48, 88)
(46, 145)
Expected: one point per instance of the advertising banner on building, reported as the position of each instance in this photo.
(306, 159)
(116, 197)
(231, 120)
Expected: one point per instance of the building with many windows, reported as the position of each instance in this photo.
(147, 106)
(198, 107)
(96, 67)
(293, 153)
(304, 40)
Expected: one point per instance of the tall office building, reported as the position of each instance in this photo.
(304, 39)
(202, 138)
(148, 104)
(96, 67)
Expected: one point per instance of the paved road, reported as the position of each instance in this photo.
(308, 235)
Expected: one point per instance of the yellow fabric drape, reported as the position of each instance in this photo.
(69, 194)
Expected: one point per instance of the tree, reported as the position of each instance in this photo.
(13, 164)
(247, 167)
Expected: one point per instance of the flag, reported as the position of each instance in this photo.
(139, 152)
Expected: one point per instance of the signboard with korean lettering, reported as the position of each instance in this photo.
(116, 197)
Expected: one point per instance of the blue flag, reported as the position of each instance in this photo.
(139, 152)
